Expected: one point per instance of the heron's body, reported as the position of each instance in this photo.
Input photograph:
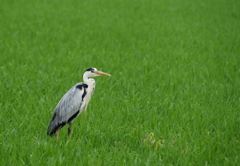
(73, 102)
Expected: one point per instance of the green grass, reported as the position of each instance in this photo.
(173, 98)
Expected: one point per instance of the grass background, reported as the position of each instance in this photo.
(173, 98)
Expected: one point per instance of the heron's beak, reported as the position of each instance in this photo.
(101, 73)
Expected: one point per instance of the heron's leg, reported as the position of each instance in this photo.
(57, 133)
(69, 129)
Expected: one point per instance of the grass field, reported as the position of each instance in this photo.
(174, 94)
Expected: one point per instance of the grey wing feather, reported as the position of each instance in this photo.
(68, 108)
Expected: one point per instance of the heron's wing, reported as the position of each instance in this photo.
(68, 108)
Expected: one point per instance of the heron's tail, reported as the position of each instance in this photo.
(54, 126)
(51, 131)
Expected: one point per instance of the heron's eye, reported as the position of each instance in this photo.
(92, 71)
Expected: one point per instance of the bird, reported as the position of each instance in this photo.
(73, 103)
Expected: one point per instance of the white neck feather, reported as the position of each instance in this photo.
(87, 80)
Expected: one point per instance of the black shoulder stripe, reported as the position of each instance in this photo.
(84, 94)
(85, 91)
(80, 86)
(85, 85)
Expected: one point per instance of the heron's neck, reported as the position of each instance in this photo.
(87, 80)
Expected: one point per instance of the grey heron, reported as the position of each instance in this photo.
(73, 102)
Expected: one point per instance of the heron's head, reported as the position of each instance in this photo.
(93, 72)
